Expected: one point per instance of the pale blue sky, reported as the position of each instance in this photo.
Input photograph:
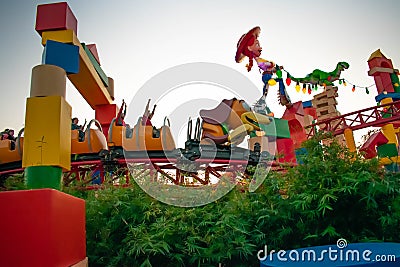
(138, 39)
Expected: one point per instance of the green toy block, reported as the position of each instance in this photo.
(387, 150)
(96, 65)
(43, 177)
(278, 128)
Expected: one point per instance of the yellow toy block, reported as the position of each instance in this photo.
(388, 131)
(62, 36)
(47, 140)
(387, 161)
(386, 101)
(348, 135)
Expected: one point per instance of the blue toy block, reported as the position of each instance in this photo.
(393, 167)
(62, 55)
(394, 96)
(307, 104)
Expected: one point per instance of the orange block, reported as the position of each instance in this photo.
(44, 227)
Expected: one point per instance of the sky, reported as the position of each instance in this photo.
(136, 40)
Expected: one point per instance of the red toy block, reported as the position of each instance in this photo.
(311, 111)
(297, 132)
(285, 149)
(369, 147)
(92, 48)
(295, 109)
(42, 227)
(104, 114)
(57, 16)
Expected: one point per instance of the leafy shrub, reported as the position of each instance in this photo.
(334, 194)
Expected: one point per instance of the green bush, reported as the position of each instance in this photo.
(334, 194)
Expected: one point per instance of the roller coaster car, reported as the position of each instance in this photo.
(141, 138)
(11, 152)
(149, 138)
(93, 142)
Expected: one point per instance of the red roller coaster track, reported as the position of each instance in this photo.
(376, 116)
(84, 170)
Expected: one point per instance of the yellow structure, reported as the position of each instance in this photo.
(62, 36)
(387, 161)
(47, 139)
(388, 129)
(349, 137)
(389, 132)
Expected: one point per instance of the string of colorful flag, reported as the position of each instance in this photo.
(309, 87)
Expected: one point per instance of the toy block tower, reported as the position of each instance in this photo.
(388, 89)
(46, 227)
(325, 105)
(381, 68)
(57, 26)
(387, 84)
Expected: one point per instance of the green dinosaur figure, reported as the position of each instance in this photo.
(321, 77)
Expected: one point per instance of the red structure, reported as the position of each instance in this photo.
(375, 116)
(105, 114)
(369, 147)
(380, 68)
(55, 16)
(42, 227)
(295, 117)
